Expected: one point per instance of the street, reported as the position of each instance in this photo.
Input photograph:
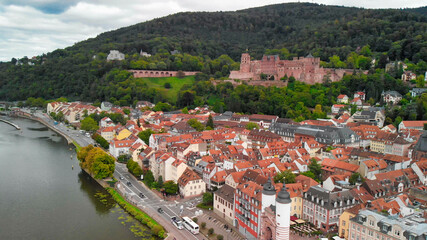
(151, 202)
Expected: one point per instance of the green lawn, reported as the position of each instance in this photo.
(176, 85)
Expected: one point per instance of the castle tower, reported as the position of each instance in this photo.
(283, 214)
(268, 195)
(245, 62)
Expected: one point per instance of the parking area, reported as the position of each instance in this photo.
(218, 225)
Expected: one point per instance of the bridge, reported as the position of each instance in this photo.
(10, 123)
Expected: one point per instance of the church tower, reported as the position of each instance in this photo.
(268, 195)
(283, 214)
(245, 63)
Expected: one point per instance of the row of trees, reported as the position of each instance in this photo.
(96, 161)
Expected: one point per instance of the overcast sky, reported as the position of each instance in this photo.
(32, 27)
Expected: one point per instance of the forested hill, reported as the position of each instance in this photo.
(299, 27)
(211, 42)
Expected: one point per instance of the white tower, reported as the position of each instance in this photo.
(283, 214)
(268, 195)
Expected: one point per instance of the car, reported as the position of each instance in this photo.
(141, 195)
(177, 222)
(160, 210)
(129, 184)
(121, 178)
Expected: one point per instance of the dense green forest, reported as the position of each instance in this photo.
(212, 42)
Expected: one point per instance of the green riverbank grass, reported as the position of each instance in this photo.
(138, 214)
(78, 147)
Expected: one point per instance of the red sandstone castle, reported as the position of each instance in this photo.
(304, 69)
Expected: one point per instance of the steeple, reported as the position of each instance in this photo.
(283, 196)
(268, 188)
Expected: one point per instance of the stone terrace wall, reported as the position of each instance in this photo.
(154, 73)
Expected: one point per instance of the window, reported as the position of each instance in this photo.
(343, 223)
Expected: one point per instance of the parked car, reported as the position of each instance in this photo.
(129, 184)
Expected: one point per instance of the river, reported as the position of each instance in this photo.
(42, 197)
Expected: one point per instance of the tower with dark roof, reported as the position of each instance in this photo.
(283, 214)
(268, 195)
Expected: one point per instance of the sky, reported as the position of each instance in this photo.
(33, 27)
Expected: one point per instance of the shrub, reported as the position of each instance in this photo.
(210, 231)
(203, 225)
(220, 237)
(195, 219)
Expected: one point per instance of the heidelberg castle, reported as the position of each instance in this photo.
(304, 69)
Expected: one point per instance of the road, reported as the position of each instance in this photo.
(151, 203)
(76, 135)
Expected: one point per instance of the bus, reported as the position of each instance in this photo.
(190, 225)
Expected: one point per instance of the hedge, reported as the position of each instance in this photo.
(138, 214)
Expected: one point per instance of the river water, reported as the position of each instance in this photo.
(42, 197)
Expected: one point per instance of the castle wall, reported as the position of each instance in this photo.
(151, 73)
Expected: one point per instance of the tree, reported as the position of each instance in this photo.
(99, 139)
(207, 198)
(167, 85)
(354, 178)
(310, 175)
(210, 122)
(203, 225)
(425, 126)
(89, 124)
(145, 135)
(185, 110)
(149, 178)
(420, 81)
(220, 237)
(315, 168)
(170, 187)
(251, 126)
(194, 123)
(160, 182)
(126, 111)
(210, 231)
(123, 158)
(180, 74)
(134, 168)
(287, 176)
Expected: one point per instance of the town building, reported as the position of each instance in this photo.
(392, 97)
(322, 134)
(415, 92)
(416, 125)
(368, 224)
(190, 184)
(342, 98)
(247, 207)
(323, 208)
(224, 203)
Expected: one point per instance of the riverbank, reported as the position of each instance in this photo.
(138, 214)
